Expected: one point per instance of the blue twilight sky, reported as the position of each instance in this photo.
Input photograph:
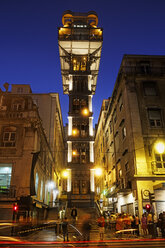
(29, 46)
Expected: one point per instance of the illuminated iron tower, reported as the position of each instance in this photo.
(80, 44)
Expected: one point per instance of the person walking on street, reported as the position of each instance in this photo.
(65, 228)
(86, 227)
(137, 222)
(58, 226)
(144, 224)
(101, 224)
(119, 223)
(161, 223)
(74, 213)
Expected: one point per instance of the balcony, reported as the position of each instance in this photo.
(69, 34)
(18, 115)
(158, 167)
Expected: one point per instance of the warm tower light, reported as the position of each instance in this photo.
(160, 147)
(74, 153)
(74, 132)
(85, 111)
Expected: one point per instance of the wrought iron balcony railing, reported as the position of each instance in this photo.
(80, 37)
(143, 70)
(158, 167)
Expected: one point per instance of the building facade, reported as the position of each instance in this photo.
(80, 44)
(133, 137)
(29, 168)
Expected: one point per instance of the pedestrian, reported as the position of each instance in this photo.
(74, 213)
(161, 223)
(86, 227)
(154, 227)
(57, 226)
(101, 224)
(133, 223)
(65, 228)
(127, 221)
(137, 222)
(119, 223)
(149, 223)
(144, 224)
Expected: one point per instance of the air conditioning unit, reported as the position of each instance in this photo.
(3, 107)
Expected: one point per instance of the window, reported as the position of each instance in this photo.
(150, 88)
(124, 132)
(114, 116)
(160, 161)
(155, 117)
(41, 190)
(127, 167)
(110, 126)
(5, 176)
(20, 90)
(9, 137)
(79, 63)
(120, 102)
(145, 67)
(36, 183)
(117, 144)
(76, 105)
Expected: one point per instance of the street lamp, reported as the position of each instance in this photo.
(98, 171)
(65, 173)
(160, 147)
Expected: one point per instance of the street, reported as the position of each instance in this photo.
(48, 238)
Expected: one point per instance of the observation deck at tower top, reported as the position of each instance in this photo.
(80, 26)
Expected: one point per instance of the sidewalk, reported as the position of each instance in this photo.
(49, 235)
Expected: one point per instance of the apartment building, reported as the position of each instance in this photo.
(31, 134)
(133, 137)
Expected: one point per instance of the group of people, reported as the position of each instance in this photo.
(148, 223)
(116, 222)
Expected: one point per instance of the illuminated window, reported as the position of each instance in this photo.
(9, 137)
(160, 161)
(5, 176)
(155, 119)
(79, 63)
(36, 182)
(124, 132)
(41, 191)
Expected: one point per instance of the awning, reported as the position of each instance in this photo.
(159, 186)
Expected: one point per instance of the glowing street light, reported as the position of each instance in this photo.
(160, 147)
(65, 173)
(98, 171)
